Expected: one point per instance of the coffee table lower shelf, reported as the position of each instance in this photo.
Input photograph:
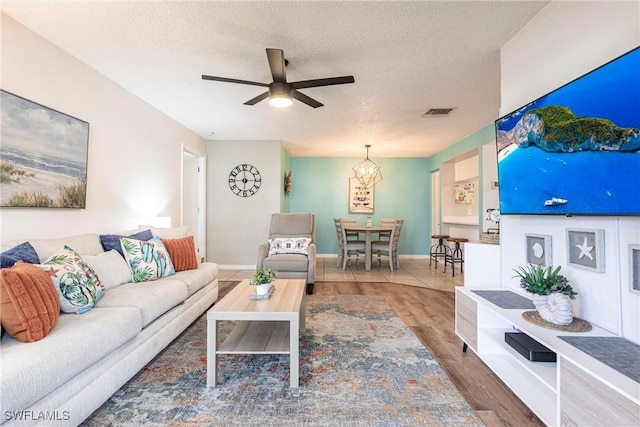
(257, 337)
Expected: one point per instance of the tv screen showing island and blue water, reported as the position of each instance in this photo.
(576, 150)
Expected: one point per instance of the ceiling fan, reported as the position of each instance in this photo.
(281, 92)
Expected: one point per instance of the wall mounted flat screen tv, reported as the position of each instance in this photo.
(576, 150)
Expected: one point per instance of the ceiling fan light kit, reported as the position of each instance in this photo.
(281, 93)
(367, 172)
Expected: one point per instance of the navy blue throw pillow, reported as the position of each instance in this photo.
(22, 252)
(112, 241)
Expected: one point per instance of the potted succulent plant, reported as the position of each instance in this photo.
(262, 280)
(550, 290)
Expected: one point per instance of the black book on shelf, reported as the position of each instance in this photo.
(528, 347)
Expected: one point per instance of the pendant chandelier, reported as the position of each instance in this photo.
(367, 172)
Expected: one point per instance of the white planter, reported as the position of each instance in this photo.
(263, 289)
(555, 308)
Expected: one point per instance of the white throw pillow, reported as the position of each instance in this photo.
(110, 267)
(289, 245)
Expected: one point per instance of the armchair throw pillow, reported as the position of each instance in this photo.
(289, 245)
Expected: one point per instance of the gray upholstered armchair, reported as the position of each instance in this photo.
(292, 256)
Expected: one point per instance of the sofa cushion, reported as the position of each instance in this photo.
(147, 260)
(152, 298)
(88, 244)
(77, 284)
(168, 233)
(110, 267)
(112, 241)
(29, 306)
(198, 278)
(286, 262)
(22, 252)
(182, 252)
(31, 371)
(289, 245)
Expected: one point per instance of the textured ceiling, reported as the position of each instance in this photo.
(406, 57)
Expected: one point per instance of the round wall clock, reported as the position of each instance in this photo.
(244, 180)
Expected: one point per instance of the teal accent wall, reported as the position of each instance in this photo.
(472, 142)
(320, 185)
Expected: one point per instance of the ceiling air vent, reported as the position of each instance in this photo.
(438, 112)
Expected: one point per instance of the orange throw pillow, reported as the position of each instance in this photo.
(29, 305)
(182, 253)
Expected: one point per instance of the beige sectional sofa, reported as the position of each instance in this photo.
(64, 377)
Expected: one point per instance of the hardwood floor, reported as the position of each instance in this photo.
(430, 314)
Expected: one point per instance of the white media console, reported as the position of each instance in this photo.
(577, 390)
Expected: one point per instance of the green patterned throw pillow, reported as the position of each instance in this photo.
(77, 284)
(148, 260)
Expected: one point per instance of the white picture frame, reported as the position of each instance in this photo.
(585, 249)
(361, 198)
(538, 249)
(634, 268)
(464, 193)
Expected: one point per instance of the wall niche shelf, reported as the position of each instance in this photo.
(576, 390)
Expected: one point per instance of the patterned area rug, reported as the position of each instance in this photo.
(360, 366)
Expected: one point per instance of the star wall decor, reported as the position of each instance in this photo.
(585, 249)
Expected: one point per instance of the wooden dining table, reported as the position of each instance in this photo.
(367, 232)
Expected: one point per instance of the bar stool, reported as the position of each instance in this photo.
(456, 255)
(440, 250)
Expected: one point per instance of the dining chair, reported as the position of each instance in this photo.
(389, 248)
(346, 247)
(386, 235)
(351, 235)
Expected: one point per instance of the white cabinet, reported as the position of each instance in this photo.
(482, 325)
(481, 264)
(467, 169)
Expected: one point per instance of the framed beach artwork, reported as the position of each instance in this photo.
(538, 249)
(360, 197)
(585, 249)
(43, 157)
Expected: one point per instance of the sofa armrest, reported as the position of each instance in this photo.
(263, 251)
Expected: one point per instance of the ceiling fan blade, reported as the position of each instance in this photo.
(276, 63)
(323, 82)
(257, 99)
(304, 98)
(227, 80)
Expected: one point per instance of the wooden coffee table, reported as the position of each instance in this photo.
(262, 326)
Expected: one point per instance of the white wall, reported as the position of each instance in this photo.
(490, 196)
(237, 225)
(135, 151)
(564, 41)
